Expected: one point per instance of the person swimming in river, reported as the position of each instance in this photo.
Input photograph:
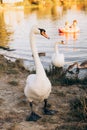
(70, 28)
(74, 27)
(66, 27)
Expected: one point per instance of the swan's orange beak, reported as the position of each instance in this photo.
(44, 34)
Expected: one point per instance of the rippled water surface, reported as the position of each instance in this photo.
(16, 23)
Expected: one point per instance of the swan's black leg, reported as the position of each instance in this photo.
(46, 104)
(33, 116)
(77, 70)
(46, 110)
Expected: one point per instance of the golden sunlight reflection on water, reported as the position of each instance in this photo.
(16, 24)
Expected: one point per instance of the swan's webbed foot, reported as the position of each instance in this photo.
(49, 112)
(46, 110)
(33, 117)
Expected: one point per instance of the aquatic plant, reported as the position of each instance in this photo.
(58, 76)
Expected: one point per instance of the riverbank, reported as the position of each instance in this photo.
(70, 102)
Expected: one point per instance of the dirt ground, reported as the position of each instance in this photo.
(14, 106)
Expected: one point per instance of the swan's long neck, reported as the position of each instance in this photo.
(56, 49)
(39, 68)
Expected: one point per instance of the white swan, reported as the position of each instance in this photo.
(38, 86)
(58, 58)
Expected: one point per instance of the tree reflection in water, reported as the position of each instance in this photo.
(5, 32)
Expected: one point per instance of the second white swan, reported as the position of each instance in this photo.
(57, 57)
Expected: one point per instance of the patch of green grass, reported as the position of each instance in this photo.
(55, 74)
(12, 71)
(53, 71)
(1, 67)
(67, 81)
(13, 83)
(58, 76)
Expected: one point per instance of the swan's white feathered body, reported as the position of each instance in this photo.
(38, 86)
(37, 89)
(57, 58)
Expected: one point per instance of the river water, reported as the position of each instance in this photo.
(16, 23)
